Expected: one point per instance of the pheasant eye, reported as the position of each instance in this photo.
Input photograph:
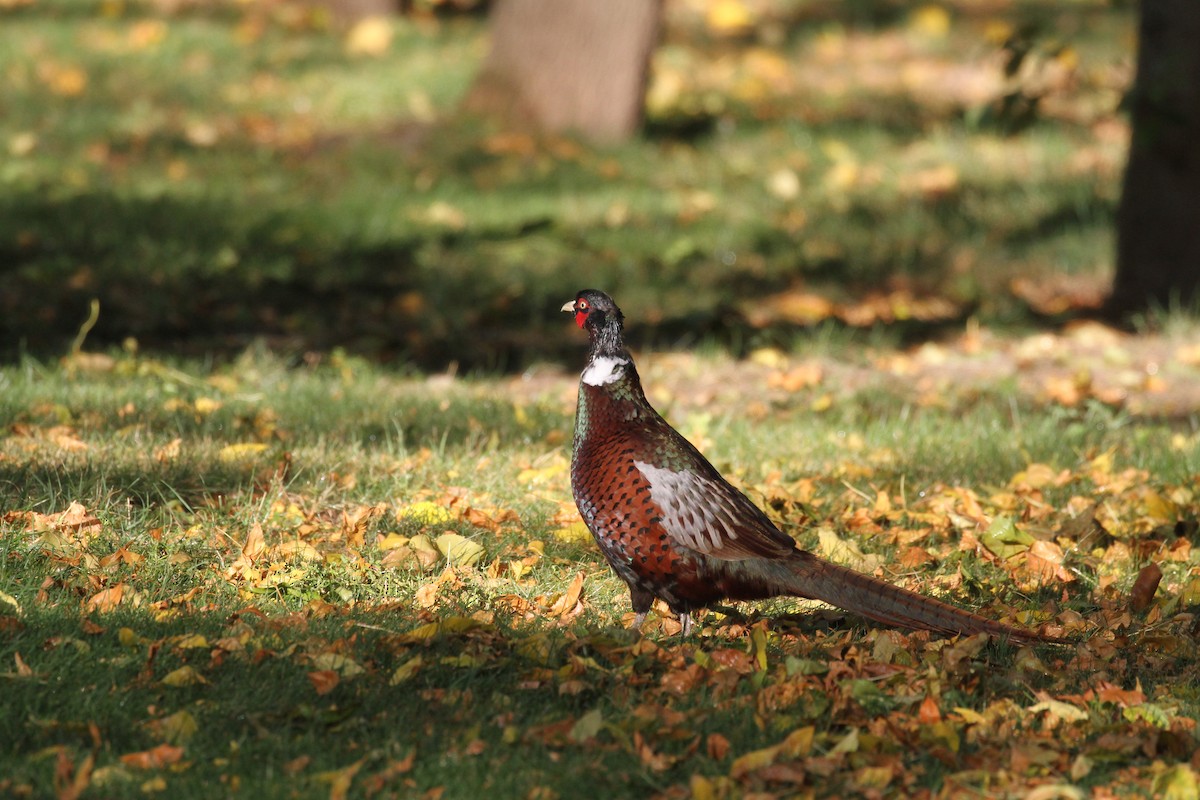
(581, 305)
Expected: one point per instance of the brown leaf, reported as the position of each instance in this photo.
(567, 605)
(373, 784)
(1142, 593)
(255, 544)
(655, 762)
(297, 764)
(717, 746)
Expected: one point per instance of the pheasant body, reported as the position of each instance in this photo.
(671, 527)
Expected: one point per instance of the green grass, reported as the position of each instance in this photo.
(490, 701)
(220, 173)
(328, 306)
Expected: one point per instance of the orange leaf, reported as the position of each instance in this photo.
(154, 758)
(106, 599)
(929, 713)
(324, 680)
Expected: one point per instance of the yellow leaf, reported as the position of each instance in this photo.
(8, 599)
(422, 632)
(1158, 508)
(1060, 710)
(752, 761)
(459, 550)
(970, 716)
(726, 17)
(206, 405)
(67, 81)
(169, 451)
(426, 513)
(1004, 539)
(406, 670)
(147, 33)
(702, 788)
(240, 452)
(192, 642)
(336, 662)
(587, 726)
(184, 676)
(1177, 783)
(370, 37)
(575, 533)
(443, 214)
(844, 551)
(997, 31)
(799, 742)
(177, 728)
(391, 541)
(931, 21)
(784, 184)
(842, 176)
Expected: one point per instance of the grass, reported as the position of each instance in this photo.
(225, 172)
(469, 679)
(328, 339)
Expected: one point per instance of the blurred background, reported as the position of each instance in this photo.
(428, 181)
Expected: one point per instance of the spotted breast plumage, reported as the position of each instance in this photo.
(672, 528)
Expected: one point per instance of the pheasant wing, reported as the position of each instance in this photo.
(709, 516)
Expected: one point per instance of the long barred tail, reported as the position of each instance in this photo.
(884, 603)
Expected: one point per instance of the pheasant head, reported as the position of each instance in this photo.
(596, 313)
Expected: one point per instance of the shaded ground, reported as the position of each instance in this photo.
(218, 175)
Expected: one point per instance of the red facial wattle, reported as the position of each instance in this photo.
(580, 316)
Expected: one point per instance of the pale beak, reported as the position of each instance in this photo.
(568, 306)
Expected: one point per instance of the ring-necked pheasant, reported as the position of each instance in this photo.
(671, 527)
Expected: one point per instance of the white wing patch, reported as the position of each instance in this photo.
(693, 513)
(604, 370)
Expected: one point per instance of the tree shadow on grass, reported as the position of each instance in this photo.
(205, 276)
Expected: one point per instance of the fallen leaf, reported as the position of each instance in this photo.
(426, 513)
(587, 726)
(240, 452)
(154, 758)
(106, 599)
(370, 37)
(459, 550)
(184, 676)
(406, 670)
(568, 604)
(1177, 783)
(324, 680)
(23, 670)
(1142, 593)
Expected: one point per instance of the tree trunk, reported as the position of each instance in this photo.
(568, 65)
(1158, 226)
